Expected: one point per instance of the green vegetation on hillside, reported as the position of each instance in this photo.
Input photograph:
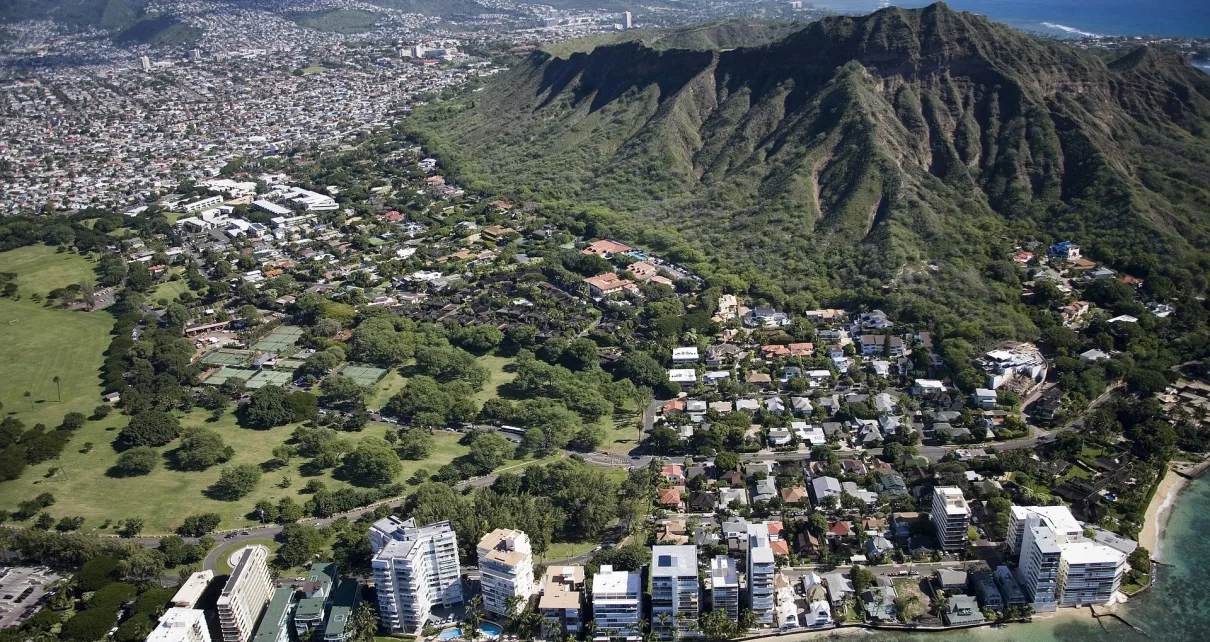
(165, 31)
(888, 159)
(727, 34)
(336, 20)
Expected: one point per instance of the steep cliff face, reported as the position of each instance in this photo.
(912, 132)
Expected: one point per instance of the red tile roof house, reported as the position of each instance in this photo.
(670, 498)
(606, 248)
(802, 349)
(606, 284)
(794, 495)
(673, 473)
(840, 529)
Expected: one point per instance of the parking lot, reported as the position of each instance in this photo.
(21, 589)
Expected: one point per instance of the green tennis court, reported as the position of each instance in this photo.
(279, 339)
(225, 358)
(269, 378)
(363, 375)
(218, 378)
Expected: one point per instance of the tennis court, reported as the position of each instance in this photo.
(279, 339)
(363, 375)
(218, 378)
(269, 378)
(226, 358)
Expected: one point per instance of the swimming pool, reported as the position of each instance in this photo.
(488, 629)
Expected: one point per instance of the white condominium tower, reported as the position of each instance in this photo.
(951, 518)
(245, 595)
(616, 602)
(724, 586)
(415, 568)
(761, 570)
(1058, 566)
(506, 570)
(675, 592)
(181, 625)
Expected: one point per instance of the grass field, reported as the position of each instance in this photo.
(169, 290)
(39, 343)
(40, 269)
(386, 388)
(166, 496)
(495, 366)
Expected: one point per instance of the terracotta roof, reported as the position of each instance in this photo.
(842, 529)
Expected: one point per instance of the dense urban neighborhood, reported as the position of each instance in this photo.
(280, 367)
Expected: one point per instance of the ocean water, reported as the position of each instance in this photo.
(1190, 18)
(1176, 609)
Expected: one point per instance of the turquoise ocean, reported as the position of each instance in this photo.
(1175, 609)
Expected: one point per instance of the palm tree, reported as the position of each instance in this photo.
(58, 389)
(473, 618)
(27, 395)
(511, 611)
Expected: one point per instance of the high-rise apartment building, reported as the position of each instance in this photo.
(1058, 566)
(675, 592)
(761, 571)
(951, 518)
(145, 63)
(562, 601)
(506, 570)
(181, 625)
(245, 595)
(415, 568)
(616, 602)
(724, 586)
(627, 20)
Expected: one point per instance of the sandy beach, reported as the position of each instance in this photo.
(1151, 537)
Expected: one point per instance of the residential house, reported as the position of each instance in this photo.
(766, 490)
(801, 406)
(962, 609)
(840, 588)
(984, 398)
(825, 487)
(684, 355)
(987, 591)
(794, 495)
(879, 603)
(674, 473)
(877, 548)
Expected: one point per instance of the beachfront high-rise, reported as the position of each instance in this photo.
(616, 602)
(951, 518)
(675, 592)
(506, 570)
(1058, 566)
(245, 594)
(415, 568)
(761, 571)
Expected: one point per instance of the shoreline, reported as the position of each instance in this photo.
(1159, 510)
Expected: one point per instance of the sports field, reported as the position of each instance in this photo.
(279, 339)
(363, 375)
(227, 358)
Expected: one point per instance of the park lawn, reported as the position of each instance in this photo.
(563, 550)
(169, 290)
(497, 377)
(621, 431)
(165, 497)
(38, 344)
(40, 268)
(315, 69)
(386, 388)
